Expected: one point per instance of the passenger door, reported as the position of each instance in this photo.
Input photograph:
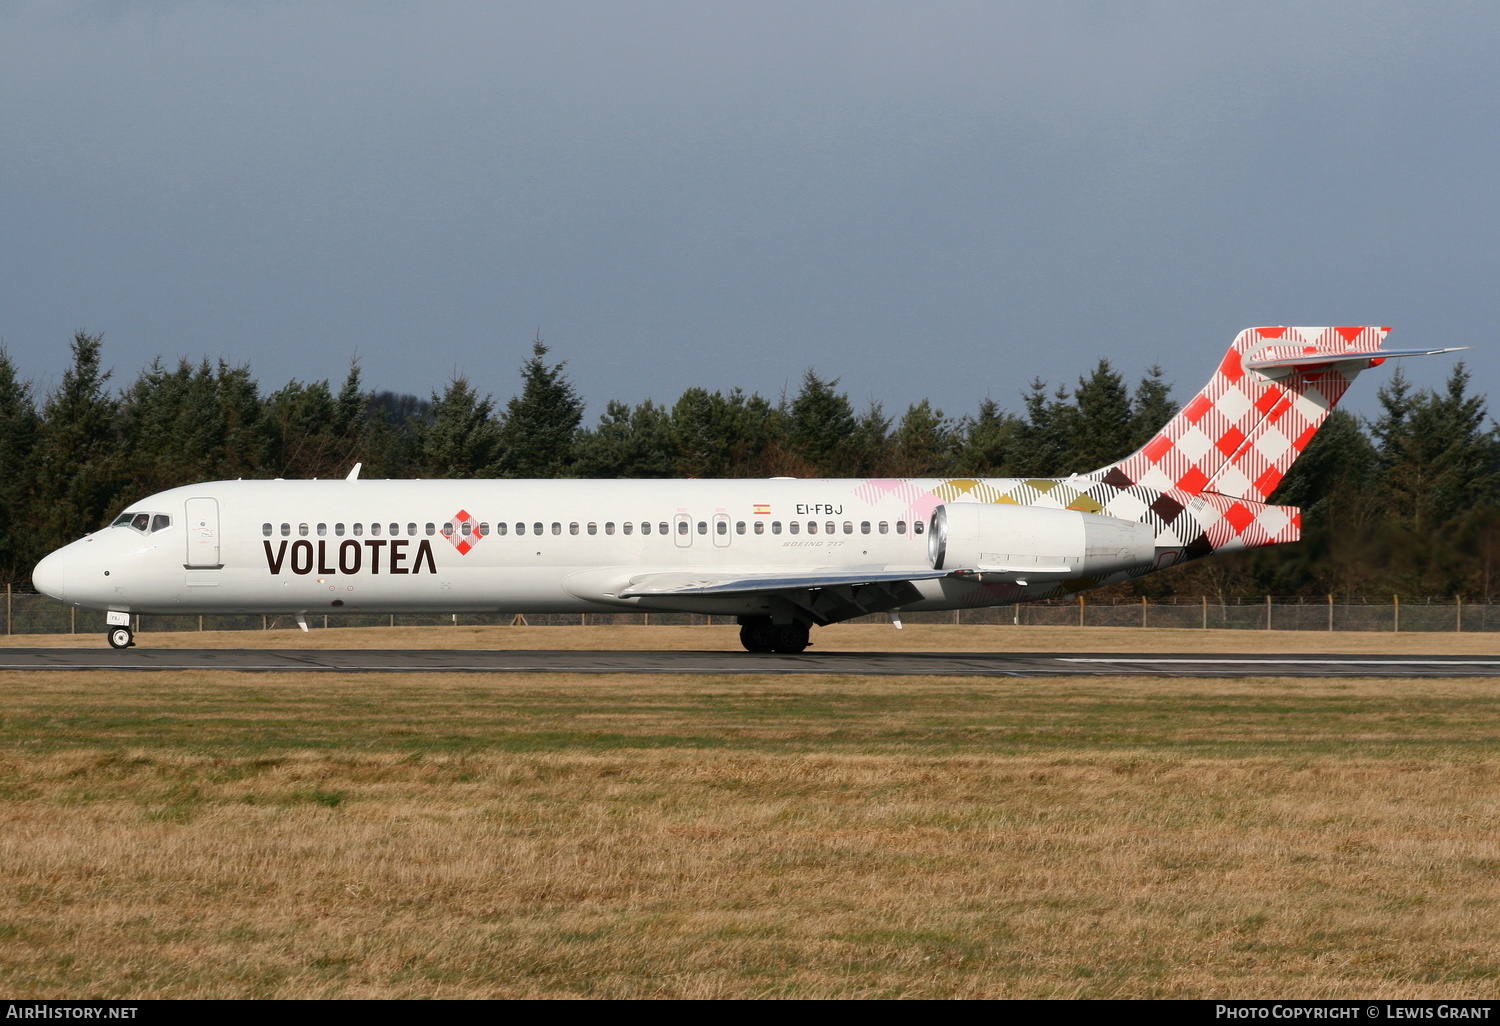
(203, 534)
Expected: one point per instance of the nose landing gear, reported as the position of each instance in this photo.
(117, 629)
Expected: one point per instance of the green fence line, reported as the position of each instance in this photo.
(27, 613)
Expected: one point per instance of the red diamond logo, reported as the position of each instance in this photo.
(463, 532)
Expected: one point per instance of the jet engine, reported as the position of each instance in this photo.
(1018, 543)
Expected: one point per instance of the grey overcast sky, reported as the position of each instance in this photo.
(938, 200)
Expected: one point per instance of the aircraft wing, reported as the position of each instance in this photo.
(817, 594)
(731, 583)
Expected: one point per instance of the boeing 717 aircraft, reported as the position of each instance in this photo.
(780, 555)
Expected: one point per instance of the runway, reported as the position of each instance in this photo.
(977, 664)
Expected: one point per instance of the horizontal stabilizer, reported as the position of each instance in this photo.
(1328, 359)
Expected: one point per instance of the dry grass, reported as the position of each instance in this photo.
(212, 835)
(838, 638)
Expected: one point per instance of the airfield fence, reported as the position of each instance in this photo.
(29, 613)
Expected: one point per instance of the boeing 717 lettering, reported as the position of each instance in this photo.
(779, 555)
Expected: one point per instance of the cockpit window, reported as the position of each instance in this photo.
(145, 523)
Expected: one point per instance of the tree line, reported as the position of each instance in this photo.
(1406, 503)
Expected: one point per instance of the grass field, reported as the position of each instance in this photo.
(217, 835)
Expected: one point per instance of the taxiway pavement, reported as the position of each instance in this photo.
(976, 664)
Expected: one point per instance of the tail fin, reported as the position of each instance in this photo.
(1240, 435)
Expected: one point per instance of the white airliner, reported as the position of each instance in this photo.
(780, 555)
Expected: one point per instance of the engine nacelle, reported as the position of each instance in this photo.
(1024, 542)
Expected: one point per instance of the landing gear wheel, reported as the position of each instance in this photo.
(120, 637)
(758, 635)
(791, 638)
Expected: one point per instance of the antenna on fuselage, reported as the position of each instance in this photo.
(354, 474)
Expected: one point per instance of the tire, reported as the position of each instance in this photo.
(791, 638)
(120, 637)
(758, 636)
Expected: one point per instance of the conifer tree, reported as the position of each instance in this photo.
(18, 438)
(1099, 425)
(987, 438)
(78, 465)
(1040, 448)
(1150, 408)
(821, 427)
(924, 442)
(463, 439)
(541, 423)
(628, 443)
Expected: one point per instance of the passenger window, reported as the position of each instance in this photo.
(573, 527)
(265, 529)
(556, 527)
(593, 528)
(776, 527)
(848, 527)
(411, 529)
(431, 530)
(395, 530)
(645, 527)
(302, 530)
(609, 527)
(662, 527)
(722, 526)
(502, 527)
(760, 527)
(682, 527)
(885, 528)
(375, 530)
(793, 527)
(322, 530)
(484, 530)
(627, 526)
(536, 528)
(520, 529)
(359, 529)
(864, 527)
(831, 527)
(286, 530)
(464, 528)
(338, 530)
(739, 527)
(918, 527)
(702, 527)
(812, 527)
(901, 527)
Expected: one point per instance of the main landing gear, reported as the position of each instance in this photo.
(759, 634)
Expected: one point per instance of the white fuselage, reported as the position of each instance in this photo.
(492, 545)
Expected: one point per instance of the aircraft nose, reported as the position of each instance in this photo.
(50, 576)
